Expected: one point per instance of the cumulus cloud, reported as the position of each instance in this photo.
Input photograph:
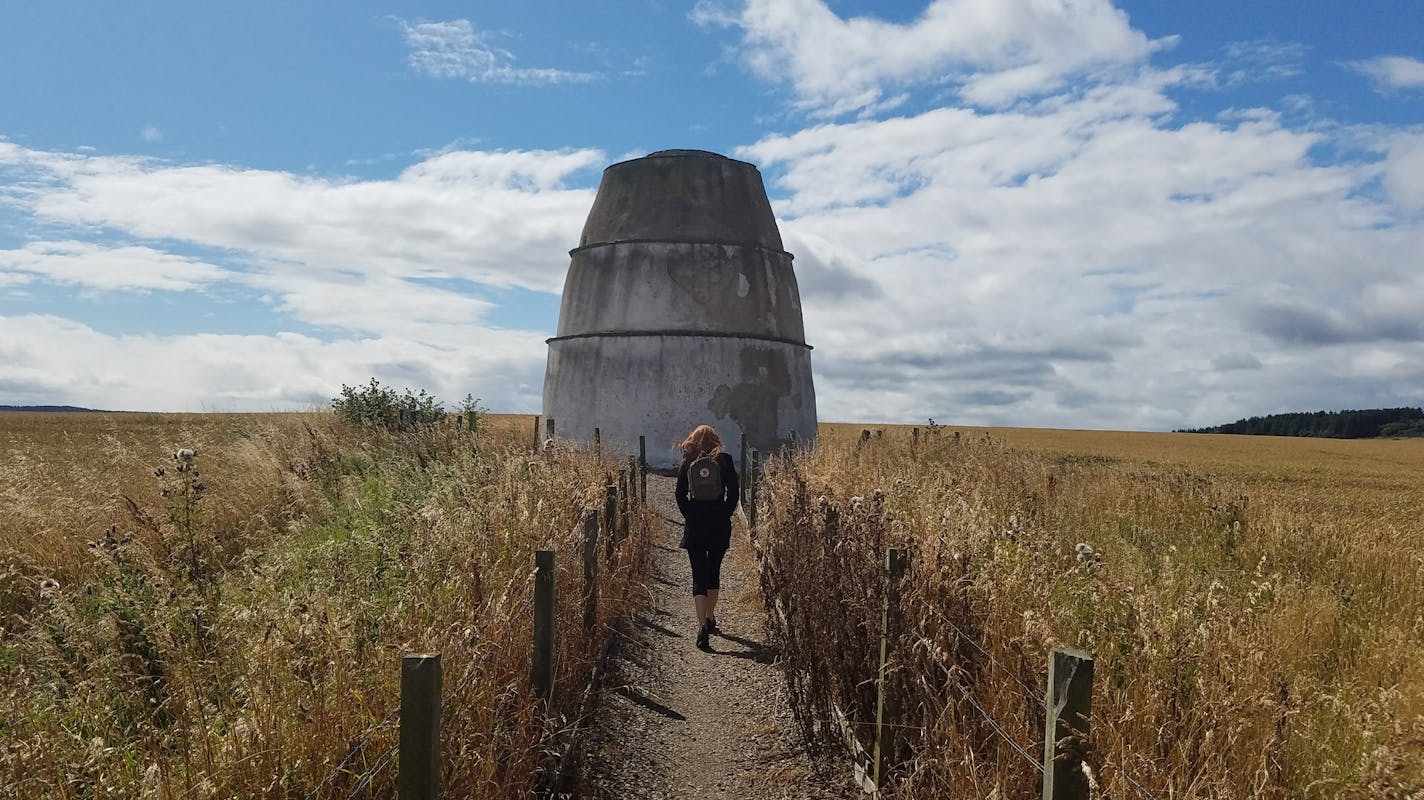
(109, 268)
(1391, 73)
(151, 133)
(455, 49)
(64, 361)
(496, 218)
(1089, 260)
(995, 51)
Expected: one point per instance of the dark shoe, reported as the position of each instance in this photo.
(712, 625)
(703, 643)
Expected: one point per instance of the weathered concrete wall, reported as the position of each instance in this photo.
(680, 308)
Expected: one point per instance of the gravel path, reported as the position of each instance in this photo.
(673, 721)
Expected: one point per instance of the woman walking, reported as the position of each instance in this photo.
(707, 493)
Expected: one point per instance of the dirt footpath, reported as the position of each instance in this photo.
(673, 721)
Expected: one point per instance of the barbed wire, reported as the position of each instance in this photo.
(969, 696)
(376, 769)
(1141, 790)
(370, 734)
(1033, 693)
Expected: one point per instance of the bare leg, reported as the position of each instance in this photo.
(703, 605)
(712, 603)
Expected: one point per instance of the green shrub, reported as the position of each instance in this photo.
(374, 405)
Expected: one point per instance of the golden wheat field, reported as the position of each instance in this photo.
(214, 606)
(1255, 605)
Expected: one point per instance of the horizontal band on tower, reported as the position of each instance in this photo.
(745, 245)
(689, 334)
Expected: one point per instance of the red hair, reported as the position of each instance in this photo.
(703, 441)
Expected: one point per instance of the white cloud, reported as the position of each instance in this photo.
(995, 50)
(1392, 72)
(495, 218)
(1085, 261)
(151, 133)
(51, 359)
(110, 268)
(1404, 172)
(454, 49)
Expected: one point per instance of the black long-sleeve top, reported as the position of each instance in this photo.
(708, 523)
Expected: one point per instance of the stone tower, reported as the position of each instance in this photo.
(680, 307)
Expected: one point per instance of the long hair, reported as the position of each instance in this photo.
(703, 441)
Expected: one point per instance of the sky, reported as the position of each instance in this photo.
(1057, 213)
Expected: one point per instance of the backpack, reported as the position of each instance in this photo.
(704, 478)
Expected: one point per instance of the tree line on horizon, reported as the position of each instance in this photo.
(1351, 424)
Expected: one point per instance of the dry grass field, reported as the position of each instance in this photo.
(1255, 605)
(229, 622)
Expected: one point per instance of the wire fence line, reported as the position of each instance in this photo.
(360, 746)
(1033, 694)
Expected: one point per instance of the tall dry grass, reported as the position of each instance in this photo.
(1243, 648)
(232, 625)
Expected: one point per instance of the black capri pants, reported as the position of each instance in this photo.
(706, 569)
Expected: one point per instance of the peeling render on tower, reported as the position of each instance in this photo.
(680, 308)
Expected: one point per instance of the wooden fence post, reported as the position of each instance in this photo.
(610, 520)
(590, 569)
(887, 708)
(742, 465)
(623, 480)
(597, 443)
(471, 418)
(1065, 727)
(755, 479)
(543, 623)
(548, 427)
(536, 433)
(418, 767)
(643, 468)
(915, 437)
(793, 438)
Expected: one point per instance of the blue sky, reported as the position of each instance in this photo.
(1068, 213)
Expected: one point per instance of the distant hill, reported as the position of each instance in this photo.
(1363, 424)
(46, 408)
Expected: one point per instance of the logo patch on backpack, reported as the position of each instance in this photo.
(704, 479)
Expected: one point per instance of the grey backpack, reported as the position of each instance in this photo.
(704, 478)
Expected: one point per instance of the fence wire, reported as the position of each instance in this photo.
(365, 740)
(1032, 693)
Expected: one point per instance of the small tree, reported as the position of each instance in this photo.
(374, 405)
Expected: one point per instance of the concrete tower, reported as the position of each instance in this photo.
(680, 308)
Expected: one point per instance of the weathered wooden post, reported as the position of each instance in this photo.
(590, 569)
(755, 479)
(887, 709)
(597, 443)
(459, 423)
(793, 438)
(742, 465)
(549, 428)
(643, 467)
(543, 623)
(610, 520)
(623, 480)
(536, 433)
(470, 419)
(1066, 725)
(418, 765)
(915, 437)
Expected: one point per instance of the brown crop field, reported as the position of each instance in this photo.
(1255, 605)
(216, 605)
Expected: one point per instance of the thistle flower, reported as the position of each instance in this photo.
(1086, 554)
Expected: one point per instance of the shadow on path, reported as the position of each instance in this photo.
(647, 702)
(755, 651)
